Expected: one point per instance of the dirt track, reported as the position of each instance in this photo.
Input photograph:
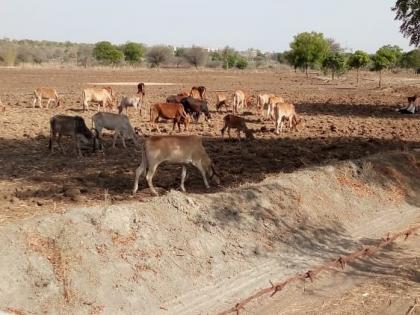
(340, 122)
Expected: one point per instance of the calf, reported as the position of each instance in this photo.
(177, 98)
(102, 96)
(119, 123)
(45, 93)
(263, 101)
(141, 89)
(239, 99)
(175, 149)
(74, 126)
(173, 111)
(195, 107)
(127, 101)
(238, 123)
(198, 92)
(283, 111)
(271, 103)
(220, 101)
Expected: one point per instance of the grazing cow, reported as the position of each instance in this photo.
(175, 150)
(119, 123)
(127, 101)
(239, 99)
(74, 126)
(195, 107)
(198, 92)
(263, 101)
(272, 101)
(102, 96)
(177, 98)
(221, 101)
(238, 123)
(283, 111)
(45, 93)
(141, 89)
(173, 111)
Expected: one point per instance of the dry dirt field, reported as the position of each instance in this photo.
(339, 122)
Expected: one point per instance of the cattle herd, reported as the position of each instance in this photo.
(182, 108)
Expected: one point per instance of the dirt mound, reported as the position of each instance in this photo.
(197, 254)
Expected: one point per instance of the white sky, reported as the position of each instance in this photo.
(268, 25)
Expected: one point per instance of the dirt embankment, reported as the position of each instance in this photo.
(199, 254)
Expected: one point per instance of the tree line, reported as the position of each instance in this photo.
(308, 50)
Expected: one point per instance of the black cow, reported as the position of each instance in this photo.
(195, 107)
(74, 126)
(141, 89)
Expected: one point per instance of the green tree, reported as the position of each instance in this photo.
(384, 58)
(358, 60)
(411, 60)
(229, 57)
(196, 56)
(309, 49)
(107, 53)
(241, 63)
(133, 52)
(334, 62)
(408, 11)
(158, 55)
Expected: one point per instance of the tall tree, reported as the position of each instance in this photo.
(133, 52)
(158, 55)
(334, 62)
(107, 53)
(385, 58)
(408, 11)
(196, 56)
(358, 60)
(309, 49)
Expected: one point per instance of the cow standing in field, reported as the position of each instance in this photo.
(238, 123)
(198, 92)
(74, 126)
(141, 89)
(130, 101)
(119, 123)
(285, 111)
(271, 104)
(195, 107)
(45, 93)
(102, 96)
(173, 111)
(221, 101)
(175, 150)
(263, 102)
(239, 99)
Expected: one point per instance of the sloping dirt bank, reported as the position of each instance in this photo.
(199, 254)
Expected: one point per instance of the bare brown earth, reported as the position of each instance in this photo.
(74, 240)
(339, 122)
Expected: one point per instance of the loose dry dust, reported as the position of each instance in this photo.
(275, 214)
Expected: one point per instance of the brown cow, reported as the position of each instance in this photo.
(198, 92)
(177, 98)
(238, 123)
(49, 94)
(173, 111)
(283, 111)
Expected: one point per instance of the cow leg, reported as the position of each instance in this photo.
(149, 177)
(59, 143)
(48, 103)
(229, 132)
(277, 126)
(203, 173)
(183, 175)
(123, 140)
(40, 102)
(34, 102)
(77, 145)
(239, 134)
(114, 139)
(139, 171)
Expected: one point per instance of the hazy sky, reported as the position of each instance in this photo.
(265, 24)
